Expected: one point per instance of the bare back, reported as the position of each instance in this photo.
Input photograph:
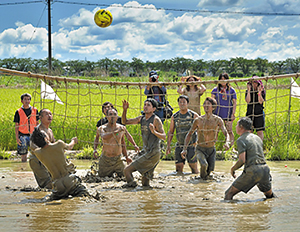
(207, 129)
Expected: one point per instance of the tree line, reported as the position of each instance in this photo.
(235, 67)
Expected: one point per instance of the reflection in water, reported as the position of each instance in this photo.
(174, 203)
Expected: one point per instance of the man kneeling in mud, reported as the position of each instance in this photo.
(52, 156)
(251, 155)
(112, 135)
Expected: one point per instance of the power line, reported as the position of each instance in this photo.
(180, 10)
(34, 31)
(154, 8)
(19, 3)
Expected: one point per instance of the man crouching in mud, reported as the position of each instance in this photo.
(152, 133)
(52, 156)
(251, 155)
(112, 135)
(207, 126)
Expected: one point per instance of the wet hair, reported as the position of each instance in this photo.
(212, 101)
(25, 95)
(152, 101)
(226, 76)
(105, 104)
(246, 123)
(183, 97)
(188, 88)
(38, 138)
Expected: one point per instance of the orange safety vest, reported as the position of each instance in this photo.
(24, 127)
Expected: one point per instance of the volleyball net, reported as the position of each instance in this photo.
(83, 99)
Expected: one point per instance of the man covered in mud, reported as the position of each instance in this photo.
(182, 121)
(52, 156)
(41, 174)
(207, 127)
(251, 155)
(105, 108)
(152, 133)
(112, 135)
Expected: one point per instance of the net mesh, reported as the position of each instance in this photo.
(83, 101)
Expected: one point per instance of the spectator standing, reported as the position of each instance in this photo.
(225, 96)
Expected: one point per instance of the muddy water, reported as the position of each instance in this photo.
(174, 203)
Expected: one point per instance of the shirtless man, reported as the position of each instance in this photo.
(41, 174)
(182, 122)
(112, 135)
(207, 127)
(152, 133)
(52, 156)
(105, 108)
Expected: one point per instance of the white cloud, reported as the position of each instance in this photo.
(157, 34)
(272, 33)
(25, 40)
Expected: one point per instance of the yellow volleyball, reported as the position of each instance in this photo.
(103, 18)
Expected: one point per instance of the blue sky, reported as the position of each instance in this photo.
(152, 34)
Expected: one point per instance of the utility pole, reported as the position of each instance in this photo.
(49, 38)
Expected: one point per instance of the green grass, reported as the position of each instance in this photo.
(82, 109)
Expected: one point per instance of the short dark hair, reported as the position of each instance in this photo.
(246, 123)
(38, 138)
(107, 103)
(25, 95)
(212, 101)
(152, 101)
(183, 97)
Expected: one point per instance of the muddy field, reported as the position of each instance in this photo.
(174, 202)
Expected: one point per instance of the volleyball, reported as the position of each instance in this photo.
(103, 18)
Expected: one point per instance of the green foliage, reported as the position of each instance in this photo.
(282, 149)
(86, 153)
(4, 154)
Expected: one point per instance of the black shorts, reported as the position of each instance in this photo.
(258, 122)
(191, 157)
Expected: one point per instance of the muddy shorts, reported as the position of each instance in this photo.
(68, 185)
(23, 148)
(254, 175)
(147, 162)
(191, 157)
(110, 165)
(206, 157)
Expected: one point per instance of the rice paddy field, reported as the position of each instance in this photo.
(82, 109)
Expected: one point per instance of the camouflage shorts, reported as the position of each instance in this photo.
(23, 148)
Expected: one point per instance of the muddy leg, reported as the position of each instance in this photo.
(179, 167)
(145, 181)
(231, 192)
(194, 168)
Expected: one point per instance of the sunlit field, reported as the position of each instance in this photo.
(82, 109)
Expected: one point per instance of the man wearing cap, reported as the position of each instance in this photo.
(158, 93)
